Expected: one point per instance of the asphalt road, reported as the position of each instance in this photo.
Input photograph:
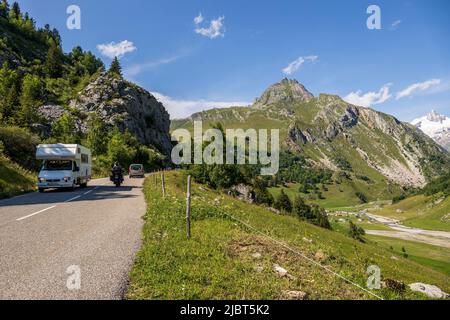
(70, 245)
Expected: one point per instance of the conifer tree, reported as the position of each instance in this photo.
(115, 67)
(9, 91)
(4, 9)
(54, 63)
(30, 99)
(283, 202)
(14, 13)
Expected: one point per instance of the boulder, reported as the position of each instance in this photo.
(295, 295)
(429, 290)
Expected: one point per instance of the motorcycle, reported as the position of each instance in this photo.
(117, 180)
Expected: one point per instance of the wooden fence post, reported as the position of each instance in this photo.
(188, 207)
(163, 185)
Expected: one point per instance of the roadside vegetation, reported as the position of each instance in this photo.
(228, 260)
(14, 180)
(35, 72)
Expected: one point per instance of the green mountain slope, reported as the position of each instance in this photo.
(336, 135)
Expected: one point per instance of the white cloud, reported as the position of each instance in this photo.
(179, 109)
(136, 69)
(296, 64)
(396, 24)
(198, 19)
(112, 50)
(420, 86)
(215, 29)
(370, 98)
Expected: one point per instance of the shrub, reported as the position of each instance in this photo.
(319, 217)
(121, 149)
(361, 196)
(20, 146)
(343, 164)
(356, 232)
(283, 202)
(301, 209)
(399, 198)
(441, 184)
(262, 195)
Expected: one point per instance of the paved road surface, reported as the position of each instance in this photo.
(45, 239)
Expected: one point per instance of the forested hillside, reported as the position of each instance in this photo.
(42, 90)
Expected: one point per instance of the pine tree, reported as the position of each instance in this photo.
(54, 63)
(30, 99)
(356, 232)
(320, 217)
(14, 13)
(115, 68)
(301, 209)
(283, 202)
(4, 9)
(9, 91)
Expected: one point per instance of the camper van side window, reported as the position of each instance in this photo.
(85, 158)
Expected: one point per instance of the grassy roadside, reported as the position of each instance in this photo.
(225, 260)
(14, 180)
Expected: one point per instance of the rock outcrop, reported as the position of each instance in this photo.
(128, 107)
(429, 290)
(286, 91)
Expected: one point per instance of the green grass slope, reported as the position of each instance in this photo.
(227, 260)
(14, 179)
(420, 211)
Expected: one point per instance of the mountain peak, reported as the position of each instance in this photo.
(433, 116)
(436, 126)
(287, 90)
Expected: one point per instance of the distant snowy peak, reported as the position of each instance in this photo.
(436, 126)
(432, 123)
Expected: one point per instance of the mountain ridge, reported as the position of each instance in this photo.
(330, 132)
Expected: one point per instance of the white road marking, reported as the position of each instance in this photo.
(90, 191)
(49, 208)
(33, 214)
(74, 198)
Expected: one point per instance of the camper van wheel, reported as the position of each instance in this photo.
(41, 190)
(83, 185)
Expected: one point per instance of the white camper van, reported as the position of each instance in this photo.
(63, 166)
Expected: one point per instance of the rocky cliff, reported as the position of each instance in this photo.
(120, 104)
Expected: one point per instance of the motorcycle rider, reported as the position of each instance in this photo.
(117, 170)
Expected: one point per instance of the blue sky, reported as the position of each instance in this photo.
(238, 48)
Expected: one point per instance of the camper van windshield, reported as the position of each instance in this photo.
(55, 165)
